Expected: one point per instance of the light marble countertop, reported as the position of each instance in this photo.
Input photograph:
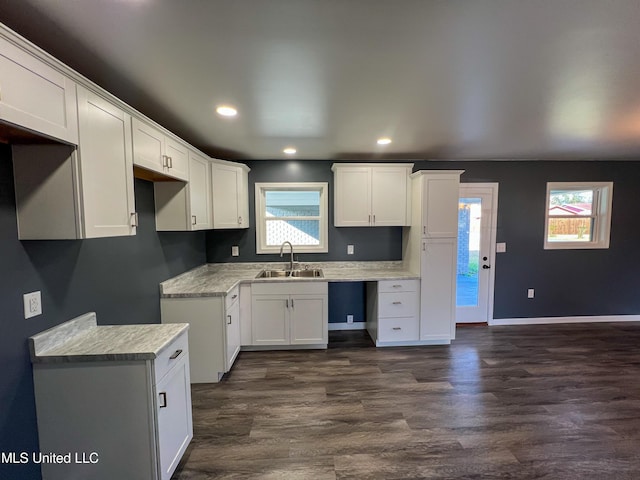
(82, 340)
(218, 279)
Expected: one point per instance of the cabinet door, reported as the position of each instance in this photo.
(440, 206)
(106, 170)
(233, 334)
(199, 192)
(148, 147)
(269, 320)
(389, 196)
(352, 203)
(438, 289)
(35, 96)
(308, 319)
(226, 183)
(175, 428)
(178, 159)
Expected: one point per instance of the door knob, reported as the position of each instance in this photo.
(486, 267)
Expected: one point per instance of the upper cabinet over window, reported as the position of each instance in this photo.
(291, 212)
(34, 96)
(371, 195)
(155, 151)
(578, 215)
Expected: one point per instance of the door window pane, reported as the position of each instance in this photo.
(469, 216)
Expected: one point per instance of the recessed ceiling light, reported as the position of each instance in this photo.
(384, 141)
(226, 111)
(289, 150)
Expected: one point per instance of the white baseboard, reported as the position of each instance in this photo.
(347, 326)
(547, 320)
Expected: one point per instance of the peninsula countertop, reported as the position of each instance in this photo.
(217, 279)
(82, 340)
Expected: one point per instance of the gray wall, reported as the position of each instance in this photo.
(567, 282)
(116, 277)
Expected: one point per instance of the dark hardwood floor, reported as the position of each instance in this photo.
(517, 402)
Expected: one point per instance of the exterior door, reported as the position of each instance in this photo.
(477, 208)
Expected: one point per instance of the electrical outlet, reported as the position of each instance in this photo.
(235, 251)
(349, 318)
(32, 304)
(501, 247)
(350, 249)
(531, 293)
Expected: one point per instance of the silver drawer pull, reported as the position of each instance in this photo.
(397, 303)
(163, 397)
(229, 321)
(397, 328)
(397, 286)
(175, 355)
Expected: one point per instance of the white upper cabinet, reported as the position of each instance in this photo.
(83, 193)
(439, 203)
(184, 206)
(230, 194)
(371, 195)
(155, 151)
(35, 96)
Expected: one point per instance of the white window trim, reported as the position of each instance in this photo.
(322, 187)
(601, 207)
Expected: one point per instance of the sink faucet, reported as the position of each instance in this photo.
(282, 250)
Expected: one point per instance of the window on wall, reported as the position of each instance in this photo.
(578, 215)
(293, 212)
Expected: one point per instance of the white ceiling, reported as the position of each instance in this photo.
(540, 79)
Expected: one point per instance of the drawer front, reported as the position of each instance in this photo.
(390, 286)
(398, 329)
(178, 349)
(403, 304)
(232, 297)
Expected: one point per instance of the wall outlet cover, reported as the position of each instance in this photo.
(32, 304)
(235, 251)
(531, 293)
(349, 318)
(501, 247)
(350, 249)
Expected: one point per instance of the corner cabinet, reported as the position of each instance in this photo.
(185, 206)
(132, 418)
(34, 96)
(214, 327)
(230, 194)
(159, 153)
(286, 313)
(371, 195)
(79, 193)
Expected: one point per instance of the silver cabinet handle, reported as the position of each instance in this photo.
(369, 219)
(396, 286)
(397, 328)
(134, 219)
(239, 220)
(424, 230)
(292, 303)
(229, 321)
(287, 302)
(193, 220)
(374, 219)
(175, 355)
(397, 303)
(163, 397)
(165, 161)
(424, 246)
(170, 162)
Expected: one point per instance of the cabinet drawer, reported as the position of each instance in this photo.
(403, 304)
(398, 329)
(398, 285)
(232, 297)
(171, 356)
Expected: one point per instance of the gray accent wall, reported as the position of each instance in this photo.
(116, 277)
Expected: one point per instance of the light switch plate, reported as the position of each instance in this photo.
(501, 247)
(235, 251)
(350, 249)
(531, 293)
(32, 304)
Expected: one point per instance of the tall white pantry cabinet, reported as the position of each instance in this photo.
(430, 249)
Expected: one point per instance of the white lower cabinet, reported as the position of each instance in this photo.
(289, 313)
(392, 311)
(215, 336)
(132, 418)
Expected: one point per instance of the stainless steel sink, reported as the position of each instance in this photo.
(311, 273)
